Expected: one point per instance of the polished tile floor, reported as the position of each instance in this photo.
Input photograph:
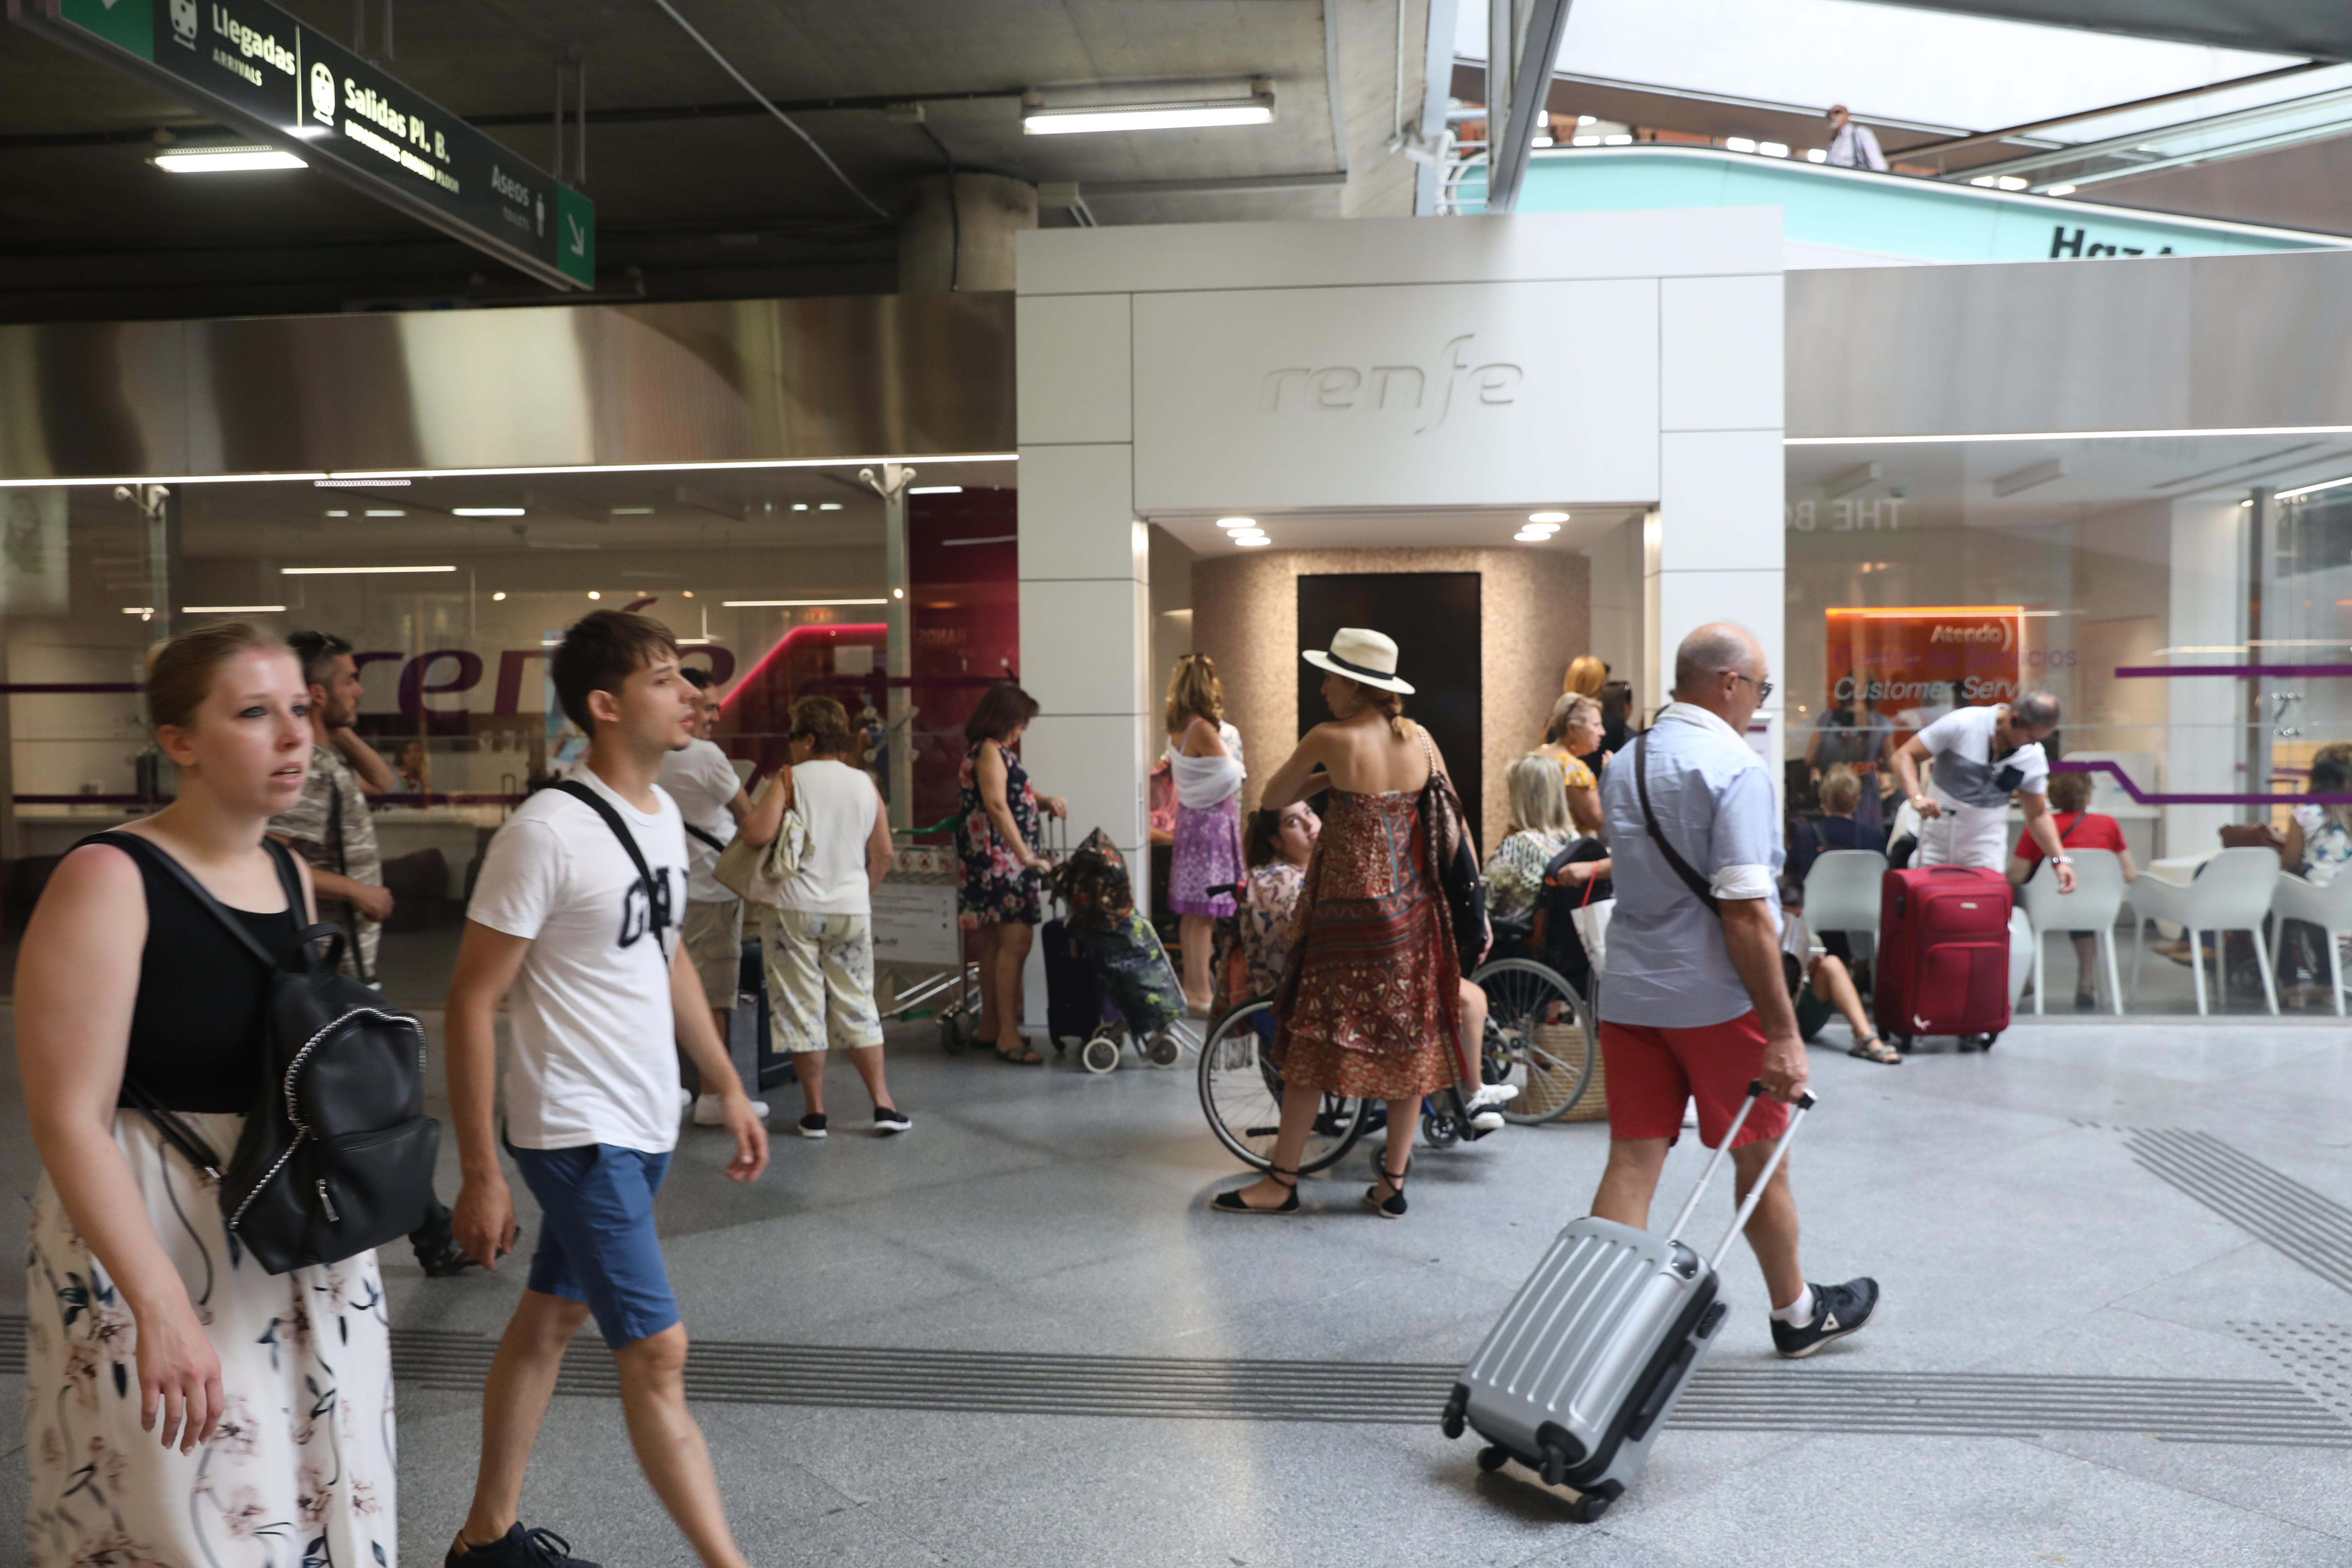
(2091, 1205)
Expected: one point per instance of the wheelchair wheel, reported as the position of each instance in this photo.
(1165, 1050)
(1241, 1094)
(1539, 1035)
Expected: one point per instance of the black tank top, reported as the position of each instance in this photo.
(196, 1026)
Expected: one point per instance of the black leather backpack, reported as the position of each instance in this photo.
(337, 1152)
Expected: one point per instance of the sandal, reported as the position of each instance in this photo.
(1233, 1203)
(1874, 1049)
(1393, 1206)
(1025, 1057)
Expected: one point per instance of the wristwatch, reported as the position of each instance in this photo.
(2062, 859)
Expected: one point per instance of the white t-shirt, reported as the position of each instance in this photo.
(702, 780)
(1966, 734)
(839, 804)
(594, 1058)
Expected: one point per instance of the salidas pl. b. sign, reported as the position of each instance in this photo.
(261, 70)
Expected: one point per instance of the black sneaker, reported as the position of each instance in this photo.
(518, 1548)
(1838, 1310)
(813, 1126)
(889, 1119)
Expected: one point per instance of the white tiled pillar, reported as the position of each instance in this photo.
(1721, 548)
(1084, 575)
(2205, 716)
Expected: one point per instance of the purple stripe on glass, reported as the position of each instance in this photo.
(2147, 798)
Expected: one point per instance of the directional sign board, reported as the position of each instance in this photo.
(259, 70)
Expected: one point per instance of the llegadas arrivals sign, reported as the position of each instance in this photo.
(259, 70)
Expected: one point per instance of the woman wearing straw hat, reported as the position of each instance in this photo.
(1371, 992)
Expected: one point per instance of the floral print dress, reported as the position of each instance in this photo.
(992, 885)
(300, 1470)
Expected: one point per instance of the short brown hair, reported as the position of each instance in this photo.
(180, 673)
(600, 651)
(824, 720)
(2070, 791)
(1003, 707)
(1841, 791)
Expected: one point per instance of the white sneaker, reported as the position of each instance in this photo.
(685, 1098)
(1690, 1112)
(1493, 1094)
(712, 1111)
(1487, 1121)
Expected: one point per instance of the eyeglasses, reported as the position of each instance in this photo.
(1763, 688)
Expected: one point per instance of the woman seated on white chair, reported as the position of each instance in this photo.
(2079, 827)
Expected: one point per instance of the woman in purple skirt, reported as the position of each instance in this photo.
(1205, 755)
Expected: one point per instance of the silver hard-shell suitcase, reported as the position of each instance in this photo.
(1591, 1355)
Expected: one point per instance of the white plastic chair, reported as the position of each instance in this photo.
(2232, 892)
(1842, 892)
(2329, 908)
(2094, 905)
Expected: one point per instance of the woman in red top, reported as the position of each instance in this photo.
(2078, 828)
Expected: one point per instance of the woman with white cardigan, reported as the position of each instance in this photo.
(1205, 754)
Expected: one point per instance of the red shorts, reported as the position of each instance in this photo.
(1652, 1071)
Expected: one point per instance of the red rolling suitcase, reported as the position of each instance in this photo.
(1943, 955)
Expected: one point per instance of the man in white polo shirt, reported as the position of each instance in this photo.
(1983, 756)
(574, 921)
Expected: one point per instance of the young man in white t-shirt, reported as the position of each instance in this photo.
(584, 933)
(1983, 756)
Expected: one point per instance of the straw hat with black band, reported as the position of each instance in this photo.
(1360, 656)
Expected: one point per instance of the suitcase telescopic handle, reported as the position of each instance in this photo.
(1805, 1103)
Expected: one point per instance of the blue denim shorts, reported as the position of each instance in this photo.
(596, 1241)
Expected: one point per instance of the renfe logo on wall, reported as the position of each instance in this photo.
(1442, 395)
(1400, 387)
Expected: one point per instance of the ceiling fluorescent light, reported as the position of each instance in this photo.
(1739, 144)
(1947, 438)
(1255, 110)
(1547, 517)
(354, 571)
(936, 490)
(792, 604)
(1848, 480)
(401, 476)
(2308, 490)
(354, 484)
(486, 511)
(385, 511)
(1251, 544)
(633, 511)
(1773, 148)
(232, 609)
(224, 160)
(1230, 523)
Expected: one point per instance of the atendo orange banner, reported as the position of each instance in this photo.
(1926, 656)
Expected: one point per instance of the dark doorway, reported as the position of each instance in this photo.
(1434, 617)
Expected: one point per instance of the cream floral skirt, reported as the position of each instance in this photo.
(298, 1473)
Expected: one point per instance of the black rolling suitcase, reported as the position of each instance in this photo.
(772, 1067)
(1074, 1002)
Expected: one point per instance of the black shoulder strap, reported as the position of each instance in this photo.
(656, 901)
(1682, 868)
(712, 840)
(155, 855)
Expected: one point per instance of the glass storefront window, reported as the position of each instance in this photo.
(2117, 575)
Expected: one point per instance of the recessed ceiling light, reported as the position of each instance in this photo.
(354, 571)
(1739, 144)
(633, 511)
(385, 511)
(1526, 536)
(1198, 113)
(800, 505)
(232, 609)
(500, 594)
(595, 595)
(224, 160)
(2059, 191)
(1236, 523)
(1249, 544)
(483, 511)
(1547, 517)
(337, 512)
(828, 506)
(1773, 148)
(936, 490)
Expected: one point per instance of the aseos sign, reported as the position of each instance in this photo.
(264, 72)
(1910, 657)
